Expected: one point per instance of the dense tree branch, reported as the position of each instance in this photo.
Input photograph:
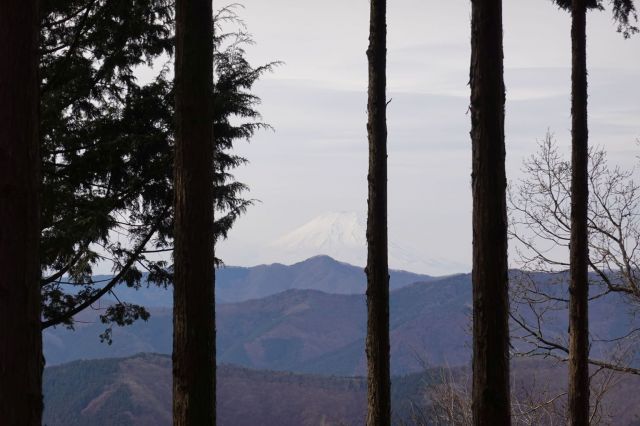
(133, 257)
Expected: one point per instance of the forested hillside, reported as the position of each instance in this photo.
(137, 391)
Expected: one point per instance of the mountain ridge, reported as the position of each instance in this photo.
(241, 283)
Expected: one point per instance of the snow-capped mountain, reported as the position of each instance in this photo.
(339, 235)
(342, 235)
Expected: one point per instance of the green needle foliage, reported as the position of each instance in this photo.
(107, 147)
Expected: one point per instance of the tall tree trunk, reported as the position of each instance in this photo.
(377, 270)
(491, 400)
(579, 249)
(20, 330)
(194, 368)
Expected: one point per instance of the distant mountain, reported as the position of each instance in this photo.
(309, 331)
(342, 235)
(299, 330)
(136, 391)
(322, 273)
(237, 284)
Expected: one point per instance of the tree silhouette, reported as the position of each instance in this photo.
(491, 400)
(578, 404)
(194, 350)
(20, 334)
(377, 270)
(624, 13)
(108, 149)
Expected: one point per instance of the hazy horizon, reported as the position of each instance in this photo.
(315, 162)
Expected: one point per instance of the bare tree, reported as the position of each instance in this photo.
(540, 225)
(490, 280)
(539, 206)
(20, 333)
(447, 400)
(194, 368)
(377, 270)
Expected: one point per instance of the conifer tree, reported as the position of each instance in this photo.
(108, 144)
(194, 368)
(20, 333)
(579, 247)
(491, 399)
(624, 13)
(377, 270)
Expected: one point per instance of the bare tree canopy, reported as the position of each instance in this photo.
(539, 209)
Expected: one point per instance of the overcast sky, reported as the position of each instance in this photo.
(316, 160)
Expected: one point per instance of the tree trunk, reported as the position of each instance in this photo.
(578, 248)
(21, 359)
(377, 270)
(194, 368)
(491, 400)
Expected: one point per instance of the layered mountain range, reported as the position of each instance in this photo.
(291, 349)
(306, 328)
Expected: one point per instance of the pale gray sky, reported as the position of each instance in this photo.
(316, 160)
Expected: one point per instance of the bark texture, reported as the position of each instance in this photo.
(578, 248)
(194, 369)
(21, 359)
(491, 400)
(377, 270)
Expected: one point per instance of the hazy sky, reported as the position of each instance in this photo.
(316, 160)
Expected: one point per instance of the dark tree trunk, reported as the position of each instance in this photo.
(491, 400)
(194, 369)
(579, 250)
(377, 270)
(20, 332)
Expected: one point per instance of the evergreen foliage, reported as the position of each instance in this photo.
(624, 13)
(108, 147)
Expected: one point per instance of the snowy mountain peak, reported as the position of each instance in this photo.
(325, 233)
(342, 235)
